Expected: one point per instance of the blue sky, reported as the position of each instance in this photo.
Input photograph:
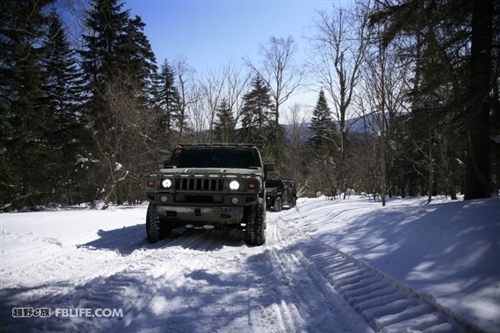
(210, 32)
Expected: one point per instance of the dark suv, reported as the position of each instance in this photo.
(208, 186)
(279, 193)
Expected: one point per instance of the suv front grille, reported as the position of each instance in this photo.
(199, 184)
(199, 198)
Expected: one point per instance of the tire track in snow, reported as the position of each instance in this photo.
(385, 304)
(157, 275)
(222, 290)
(129, 289)
(298, 304)
(272, 307)
(210, 276)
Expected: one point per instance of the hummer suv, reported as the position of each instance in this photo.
(279, 193)
(208, 186)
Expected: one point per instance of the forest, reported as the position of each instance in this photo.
(407, 102)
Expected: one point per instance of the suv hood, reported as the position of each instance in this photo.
(213, 171)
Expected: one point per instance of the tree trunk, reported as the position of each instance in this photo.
(477, 178)
(383, 167)
(431, 169)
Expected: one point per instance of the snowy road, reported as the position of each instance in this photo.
(202, 281)
(195, 281)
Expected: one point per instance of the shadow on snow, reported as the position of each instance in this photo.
(224, 298)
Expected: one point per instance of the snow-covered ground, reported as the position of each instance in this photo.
(327, 266)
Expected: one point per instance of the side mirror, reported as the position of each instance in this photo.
(269, 168)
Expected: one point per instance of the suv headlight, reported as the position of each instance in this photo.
(166, 183)
(234, 185)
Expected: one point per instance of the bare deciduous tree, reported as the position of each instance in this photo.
(281, 74)
(122, 139)
(340, 45)
(236, 82)
(295, 156)
(279, 70)
(228, 83)
(186, 88)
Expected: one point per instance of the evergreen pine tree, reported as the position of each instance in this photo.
(65, 132)
(169, 98)
(452, 54)
(102, 59)
(322, 126)
(115, 50)
(118, 70)
(225, 123)
(256, 112)
(139, 59)
(322, 145)
(23, 24)
(61, 71)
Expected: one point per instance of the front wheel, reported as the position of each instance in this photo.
(155, 229)
(278, 205)
(255, 224)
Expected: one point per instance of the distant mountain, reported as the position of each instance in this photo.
(355, 125)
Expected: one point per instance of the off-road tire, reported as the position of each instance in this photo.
(255, 224)
(278, 205)
(155, 228)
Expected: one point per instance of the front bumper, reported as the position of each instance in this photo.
(199, 216)
(202, 199)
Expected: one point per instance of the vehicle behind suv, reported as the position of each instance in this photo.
(208, 186)
(279, 193)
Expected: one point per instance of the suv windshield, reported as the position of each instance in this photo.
(214, 157)
(274, 183)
